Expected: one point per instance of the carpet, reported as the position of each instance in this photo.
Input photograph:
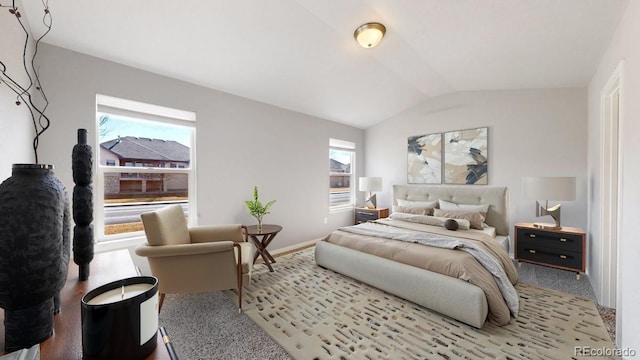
(314, 313)
(207, 326)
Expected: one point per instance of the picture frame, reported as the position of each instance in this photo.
(424, 159)
(466, 156)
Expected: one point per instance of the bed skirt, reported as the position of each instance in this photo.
(449, 296)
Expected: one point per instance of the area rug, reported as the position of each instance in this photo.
(315, 313)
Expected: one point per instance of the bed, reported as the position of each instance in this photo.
(390, 254)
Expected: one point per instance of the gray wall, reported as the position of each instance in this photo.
(531, 133)
(240, 143)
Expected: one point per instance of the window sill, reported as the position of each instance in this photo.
(123, 243)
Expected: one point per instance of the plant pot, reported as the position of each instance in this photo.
(34, 252)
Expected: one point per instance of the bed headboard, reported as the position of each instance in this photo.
(498, 197)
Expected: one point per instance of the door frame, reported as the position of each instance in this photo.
(610, 194)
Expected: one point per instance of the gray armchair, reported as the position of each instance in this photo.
(195, 259)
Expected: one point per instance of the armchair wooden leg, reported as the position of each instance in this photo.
(239, 276)
(240, 298)
(161, 300)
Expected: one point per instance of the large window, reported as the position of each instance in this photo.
(136, 141)
(341, 174)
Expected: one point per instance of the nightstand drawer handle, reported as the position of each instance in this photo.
(532, 251)
(563, 240)
(532, 235)
(563, 256)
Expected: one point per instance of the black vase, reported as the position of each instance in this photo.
(34, 252)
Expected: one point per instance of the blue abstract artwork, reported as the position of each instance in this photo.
(465, 156)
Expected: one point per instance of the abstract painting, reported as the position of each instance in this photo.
(465, 156)
(424, 159)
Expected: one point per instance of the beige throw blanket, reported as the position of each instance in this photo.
(455, 263)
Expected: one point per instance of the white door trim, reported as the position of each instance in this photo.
(611, 173)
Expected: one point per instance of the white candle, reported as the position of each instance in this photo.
(119, 294)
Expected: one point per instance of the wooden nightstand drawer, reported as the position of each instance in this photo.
(364, 214)
(565, 259)
(535, 237)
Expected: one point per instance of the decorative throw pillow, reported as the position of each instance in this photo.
(481, 208)
(463, 224)
(417, 204)
(414, 210)
(475, 218)
(451, 224)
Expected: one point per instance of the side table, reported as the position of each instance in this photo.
(563, 248)
(262, 239)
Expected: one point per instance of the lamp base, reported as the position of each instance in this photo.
(371, 202)
(554, 212)
(547, 226)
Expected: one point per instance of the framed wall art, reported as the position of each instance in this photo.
(424, 159)
(465, 156)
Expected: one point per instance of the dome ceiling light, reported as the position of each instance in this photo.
(370, 34)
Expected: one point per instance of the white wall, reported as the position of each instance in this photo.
(531, 132)
(623, 46)
(16, 129)
(240, 143)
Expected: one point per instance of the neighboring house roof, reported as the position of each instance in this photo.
(337, 166)
(131, 147)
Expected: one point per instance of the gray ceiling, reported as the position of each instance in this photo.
(301, 55)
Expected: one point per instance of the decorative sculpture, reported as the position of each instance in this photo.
(82, 160)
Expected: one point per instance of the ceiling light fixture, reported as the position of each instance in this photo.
(370, 34)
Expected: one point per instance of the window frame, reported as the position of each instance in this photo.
(152, 114)
(343, 145)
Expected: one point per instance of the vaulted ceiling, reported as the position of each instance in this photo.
(301, 54)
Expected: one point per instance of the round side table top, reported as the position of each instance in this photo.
(266, 229)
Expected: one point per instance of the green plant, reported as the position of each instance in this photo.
(256, 209)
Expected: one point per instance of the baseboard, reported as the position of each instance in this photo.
(294, 247)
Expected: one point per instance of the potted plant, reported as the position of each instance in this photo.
(256, 209)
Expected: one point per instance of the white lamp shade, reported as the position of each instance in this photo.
(369, 35)
(370, 184)
(549, 188)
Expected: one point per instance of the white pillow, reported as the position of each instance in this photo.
(481, 208)
(417, 204)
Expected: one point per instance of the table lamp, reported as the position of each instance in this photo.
(370, 184)
(549, 188)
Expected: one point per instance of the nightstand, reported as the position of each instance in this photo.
(562, 249)
(366, 214)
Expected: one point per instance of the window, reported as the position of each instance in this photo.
(143, 137)
(341, 174)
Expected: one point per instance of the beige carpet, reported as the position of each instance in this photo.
(314, 313)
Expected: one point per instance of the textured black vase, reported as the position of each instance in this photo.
(34, 252)
(82, 161)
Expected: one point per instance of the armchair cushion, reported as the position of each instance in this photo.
(208, 233)
(166, 226)
(182, 249)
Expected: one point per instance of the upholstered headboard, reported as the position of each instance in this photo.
(498, 197)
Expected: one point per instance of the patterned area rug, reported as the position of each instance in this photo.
(314, 313)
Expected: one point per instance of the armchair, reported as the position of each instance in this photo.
(195, 259)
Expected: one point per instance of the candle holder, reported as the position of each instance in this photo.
(120, 319)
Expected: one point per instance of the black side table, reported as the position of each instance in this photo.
(262, 239)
